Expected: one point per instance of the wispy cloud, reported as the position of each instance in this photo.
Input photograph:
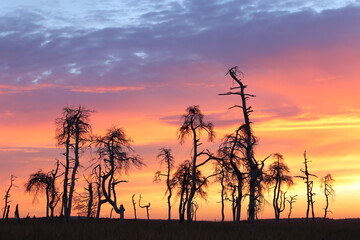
(12, 89)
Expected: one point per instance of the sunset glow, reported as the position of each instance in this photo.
(140, 66)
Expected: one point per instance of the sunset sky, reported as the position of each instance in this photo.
(140, 64)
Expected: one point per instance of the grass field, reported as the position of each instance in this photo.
(112, 229)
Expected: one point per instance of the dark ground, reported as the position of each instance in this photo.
(156, 229)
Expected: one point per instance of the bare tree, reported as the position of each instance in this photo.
(181, 180)
(54, 193)
(193, 126)
(232, 155)
(255, 167)
(327, 184)
(165, 157)
(145, 206)
(134, 205)
(96, 175)
(72, 132)
(84, 202)
(291, 201)
(40, 182)
(17, 214)
(7, 198)
(309, 187)
(115, 158)
(277, 177)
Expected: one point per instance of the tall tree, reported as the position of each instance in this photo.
(115, 155)
(72, 132)
(309, 187)
(277, 177)
(166, 157)
(327, 186)
(255, 167)
(193, 126)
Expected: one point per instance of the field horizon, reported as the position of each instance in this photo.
(105, 228)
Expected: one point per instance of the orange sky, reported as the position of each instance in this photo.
(141, 73)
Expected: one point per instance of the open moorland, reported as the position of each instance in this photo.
(113, 229)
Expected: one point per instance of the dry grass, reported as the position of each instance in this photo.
(112, 229)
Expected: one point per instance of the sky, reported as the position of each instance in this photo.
(140, 64)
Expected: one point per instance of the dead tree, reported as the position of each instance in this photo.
(134, 205)
(45, 182)
(96, 174)
(115, 157)
(165, 157)
(276, 178)
(327, 183)
(231, 154)
(145, 206)
(7, 198)
(192, 127)
(7, 212)
(72, 132)
(84, 202)
(255, 167)
(16, 213)
(54, 195)
(309, 187)
(194, 208)
(181, 181)
(291, 201)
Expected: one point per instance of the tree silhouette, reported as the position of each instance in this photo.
(291, 201)
(193, 126)
(84, 202)
(232, 155)
(309, 188)
(145, 206)
(7, 198)
(134, 205)
(115, 157)
(72, 132)
(327, 183)
(181, 180)
(165, 157)
(255, 167)
(277, 177)
(41, 182)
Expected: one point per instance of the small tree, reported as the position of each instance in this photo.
(277, 177)
(291, 201)
(134, 205)
(7, 198)
(145, 206)
(309, 187)
(165, 157)
(327, 184)
(40, 182)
